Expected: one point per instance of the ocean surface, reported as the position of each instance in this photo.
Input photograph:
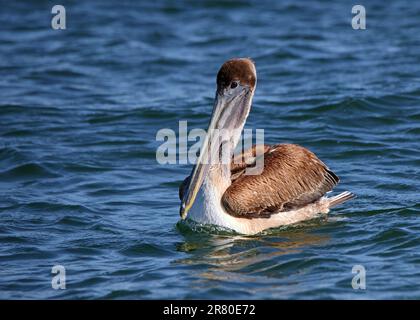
(80, 108)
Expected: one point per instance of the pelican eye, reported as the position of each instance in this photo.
(234, 84)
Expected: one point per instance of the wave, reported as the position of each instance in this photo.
(30, 170)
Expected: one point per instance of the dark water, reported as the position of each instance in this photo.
(79, 113)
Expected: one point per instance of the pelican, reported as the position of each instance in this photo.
(291, 188)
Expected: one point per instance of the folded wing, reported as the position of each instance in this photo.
(292, 178)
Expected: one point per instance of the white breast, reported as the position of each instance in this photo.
(207, 209)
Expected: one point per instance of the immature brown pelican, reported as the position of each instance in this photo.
(291, 188)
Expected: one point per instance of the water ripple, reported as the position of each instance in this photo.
(79, 181)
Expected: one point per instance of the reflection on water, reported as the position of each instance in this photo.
(237, 260)
(238, 253)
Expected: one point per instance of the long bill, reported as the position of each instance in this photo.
(229, 112)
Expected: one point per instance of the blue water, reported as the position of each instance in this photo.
(79, 112)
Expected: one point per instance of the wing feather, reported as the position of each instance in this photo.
(293, 177)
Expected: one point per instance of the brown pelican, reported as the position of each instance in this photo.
(291, 188)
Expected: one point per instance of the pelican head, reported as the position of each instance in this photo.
(236, 81)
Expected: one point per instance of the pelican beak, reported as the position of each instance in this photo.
(230, 110)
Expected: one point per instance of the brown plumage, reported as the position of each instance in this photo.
(246, 159)
(241, 70)
(292, 178)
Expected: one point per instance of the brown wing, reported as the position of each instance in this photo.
(292, 177)
(246, 159)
